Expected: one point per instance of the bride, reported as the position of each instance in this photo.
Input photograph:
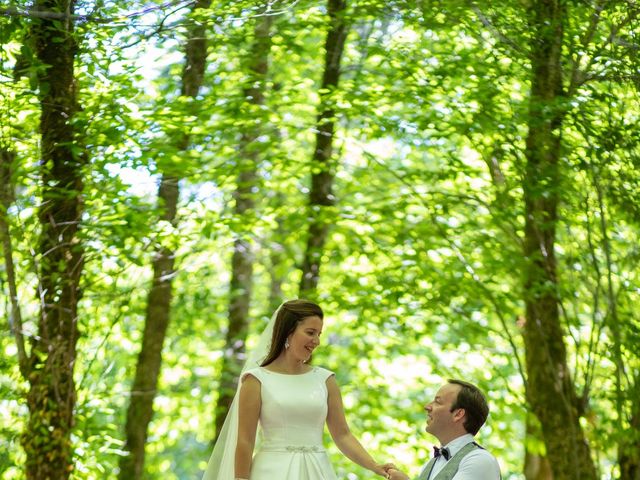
(291, 400)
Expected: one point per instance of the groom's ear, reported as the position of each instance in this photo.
(459, 414)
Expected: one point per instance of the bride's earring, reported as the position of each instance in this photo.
(286, 343)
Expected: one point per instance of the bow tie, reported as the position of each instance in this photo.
(444, 451)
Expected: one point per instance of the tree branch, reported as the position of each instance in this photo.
(33, 13)
(584, 42)
(464, 262)
(494, 30)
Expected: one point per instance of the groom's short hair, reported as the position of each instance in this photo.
(474, 403)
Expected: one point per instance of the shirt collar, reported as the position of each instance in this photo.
(456, 444)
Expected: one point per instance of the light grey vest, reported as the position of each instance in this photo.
(450, 469)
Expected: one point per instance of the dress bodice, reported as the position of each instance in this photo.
(294, 407)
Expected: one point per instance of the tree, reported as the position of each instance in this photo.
(7, 160)
(323, 167)
(550, 384)
(52, 395)
(158, 313)
(458, 160)
(249, 156)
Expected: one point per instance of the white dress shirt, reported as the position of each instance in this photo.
(478, 464)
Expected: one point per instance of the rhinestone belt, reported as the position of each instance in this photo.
(293, 448)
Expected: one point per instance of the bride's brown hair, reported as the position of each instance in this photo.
(290, 314)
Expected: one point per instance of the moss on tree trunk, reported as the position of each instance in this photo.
(52, 395)
(550, 388)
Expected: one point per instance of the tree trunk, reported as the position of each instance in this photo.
(536, 466)
(7, 159)
(277, 257)
(321, 195)
(629, 448)
(550, 389)
(158, 313)
(157, 318)
(52, 394)
(242, 259)
(629, 443)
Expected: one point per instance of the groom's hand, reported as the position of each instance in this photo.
(384, 469)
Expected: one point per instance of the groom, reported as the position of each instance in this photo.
(454, 416)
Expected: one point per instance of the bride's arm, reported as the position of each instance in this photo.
(249, 405)
(342, 436)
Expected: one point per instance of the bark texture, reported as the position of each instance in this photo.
(321, 193)
(52, 394)
(242, 259)
(158, 312)
(550, 388)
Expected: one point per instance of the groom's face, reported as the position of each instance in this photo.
(440, 418)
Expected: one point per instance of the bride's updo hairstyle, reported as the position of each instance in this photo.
(289, 315)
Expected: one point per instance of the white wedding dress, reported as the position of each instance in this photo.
(292, 418)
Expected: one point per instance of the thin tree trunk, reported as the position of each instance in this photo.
(629, 443)
(629, 448)
(321, 194)
(158, 313)
(242, 259)
(52, 395)
(277, 256)
(144, 389)
(612, 302)
(7, 159)
(550, 389)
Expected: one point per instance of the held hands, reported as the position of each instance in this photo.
(394, 474)
(390, 471)
(383, 469)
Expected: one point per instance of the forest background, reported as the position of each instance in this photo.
(456, 183)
